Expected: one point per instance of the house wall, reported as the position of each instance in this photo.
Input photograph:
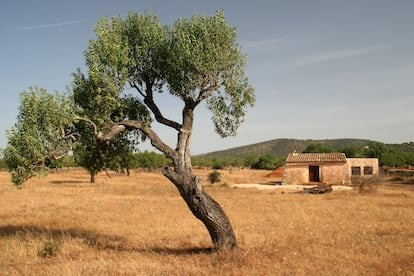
(362, 163)
(295, 174)
(335, 174)
(332, 173)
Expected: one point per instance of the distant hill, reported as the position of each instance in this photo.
(282, 147)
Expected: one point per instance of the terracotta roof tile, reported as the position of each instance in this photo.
(316, 157)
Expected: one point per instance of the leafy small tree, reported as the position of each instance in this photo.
(40, 135)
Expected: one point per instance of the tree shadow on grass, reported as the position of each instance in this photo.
(68, 182)
(92, 239)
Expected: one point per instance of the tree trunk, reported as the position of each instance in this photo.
(205, 208)
(93, 178)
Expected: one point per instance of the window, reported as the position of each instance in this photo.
(356, 170)
(368, 170)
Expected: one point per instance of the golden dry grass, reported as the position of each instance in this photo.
(139, 225)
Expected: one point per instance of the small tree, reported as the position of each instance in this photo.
(42, 133)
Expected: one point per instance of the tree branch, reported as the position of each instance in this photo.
(133, 124)
(149, 102)
(133, 85)
(70, 140)
(95, 129)
(208, 89)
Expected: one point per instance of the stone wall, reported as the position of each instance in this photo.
(367, 166)
(335, 174)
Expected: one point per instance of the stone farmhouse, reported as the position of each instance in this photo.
(330, 168)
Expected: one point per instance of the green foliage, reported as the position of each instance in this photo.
(203, 55)
(214, 177)
(91, 155)
(386, 156)
(151, 160)
(68, 161)
(217, 163)
(267, 162)
(409, 158)
(392, 158)
(104, 103)
(262, 162)
(38, 137)
(318, 147)
(3, 164)
(193, 58)
(375, 150)
(403, 147)
(350, 151)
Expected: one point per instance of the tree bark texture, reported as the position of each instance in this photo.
(205, 208)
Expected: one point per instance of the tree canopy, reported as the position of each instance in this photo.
(193, 59)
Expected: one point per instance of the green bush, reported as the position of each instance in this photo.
(214, 177)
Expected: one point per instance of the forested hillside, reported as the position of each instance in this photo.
(282, 147)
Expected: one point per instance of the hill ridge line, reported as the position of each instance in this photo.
(281, 147)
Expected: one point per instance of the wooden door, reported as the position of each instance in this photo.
(314, 174)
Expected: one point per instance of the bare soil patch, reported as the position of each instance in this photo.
(139, 225)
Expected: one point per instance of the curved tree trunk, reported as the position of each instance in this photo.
(205, 208)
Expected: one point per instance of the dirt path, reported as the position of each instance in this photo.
(284, 187)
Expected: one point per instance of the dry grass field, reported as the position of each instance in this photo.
(138, 225)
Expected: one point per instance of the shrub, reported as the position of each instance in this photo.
(50, 248)
(214, 177)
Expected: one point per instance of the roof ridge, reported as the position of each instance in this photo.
(316, 157)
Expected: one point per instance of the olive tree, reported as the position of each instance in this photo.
(41, 135)
(195, 60)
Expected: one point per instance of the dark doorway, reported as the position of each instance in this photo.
(313, 173)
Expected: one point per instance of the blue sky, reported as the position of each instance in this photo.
(321, 69)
